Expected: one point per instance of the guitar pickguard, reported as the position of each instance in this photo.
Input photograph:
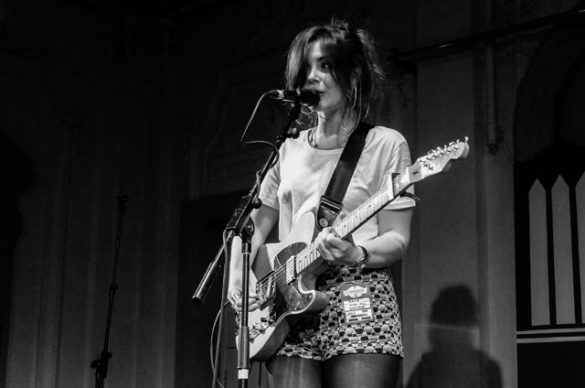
(273, 289)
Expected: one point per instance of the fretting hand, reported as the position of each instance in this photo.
(335, 250)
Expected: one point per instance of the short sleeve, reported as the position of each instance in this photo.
(398, 163)
(269, 188)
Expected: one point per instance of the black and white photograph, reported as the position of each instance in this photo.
(292, 193)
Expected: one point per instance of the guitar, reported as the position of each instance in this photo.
(287, 292)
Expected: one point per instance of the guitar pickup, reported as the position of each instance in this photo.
(291, 269)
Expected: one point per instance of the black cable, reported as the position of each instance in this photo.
(211, 353)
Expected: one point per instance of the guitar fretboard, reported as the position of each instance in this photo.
(361, 214)
(297, 264)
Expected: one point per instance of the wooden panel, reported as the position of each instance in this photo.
(580, 202)
(538, 257)
(562, 235)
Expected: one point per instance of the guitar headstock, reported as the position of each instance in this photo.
(438, 160)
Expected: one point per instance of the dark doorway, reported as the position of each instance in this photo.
(16, 176)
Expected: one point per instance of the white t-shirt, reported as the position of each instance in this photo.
(296, 183)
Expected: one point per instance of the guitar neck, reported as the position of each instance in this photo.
(396, 186)
(361, 214)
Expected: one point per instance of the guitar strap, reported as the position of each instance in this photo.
(332, 201)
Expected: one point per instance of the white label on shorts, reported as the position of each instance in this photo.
(356, 302)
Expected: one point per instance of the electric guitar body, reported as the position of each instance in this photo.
(289, 301)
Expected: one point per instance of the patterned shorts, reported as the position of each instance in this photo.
(362, 317)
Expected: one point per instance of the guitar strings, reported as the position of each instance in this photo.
(304, 257)
(279, 274)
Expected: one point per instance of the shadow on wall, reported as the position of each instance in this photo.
(453, 361)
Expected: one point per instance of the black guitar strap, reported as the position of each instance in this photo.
(332, 201)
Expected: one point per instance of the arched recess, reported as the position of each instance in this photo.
(551, 68)
(549, 206)
(16, 176)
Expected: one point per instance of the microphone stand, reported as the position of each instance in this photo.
(241, 225)
(101, 364)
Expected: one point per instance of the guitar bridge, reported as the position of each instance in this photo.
(260, 327)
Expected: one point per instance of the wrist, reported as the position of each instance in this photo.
(363, 259)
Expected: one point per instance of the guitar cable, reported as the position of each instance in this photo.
(249, 123)
(211, 352)
(218, 322)
(218, 317)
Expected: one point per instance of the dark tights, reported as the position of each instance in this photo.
(346, 371)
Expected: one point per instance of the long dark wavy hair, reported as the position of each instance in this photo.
(354, 60)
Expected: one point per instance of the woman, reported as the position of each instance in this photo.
(340, 64)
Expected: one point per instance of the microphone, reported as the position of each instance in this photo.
(304, 96)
